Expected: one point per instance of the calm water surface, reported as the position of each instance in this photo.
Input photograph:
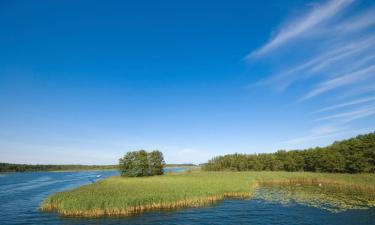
(21, 194)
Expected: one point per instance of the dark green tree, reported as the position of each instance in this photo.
(127, 165)
(354, 155)
(141, 163)
(156, 162)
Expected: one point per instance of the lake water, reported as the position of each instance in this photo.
(21, 194)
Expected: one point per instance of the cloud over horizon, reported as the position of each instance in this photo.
(331, 52)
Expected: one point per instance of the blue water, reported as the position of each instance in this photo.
(21, 194)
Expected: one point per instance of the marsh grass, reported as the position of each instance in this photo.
(118, 196)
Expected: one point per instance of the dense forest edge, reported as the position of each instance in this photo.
(354, 155)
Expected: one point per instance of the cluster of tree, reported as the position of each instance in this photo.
(9, 167)
(141, 163)
(354, 155)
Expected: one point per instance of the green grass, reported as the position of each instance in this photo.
(124, 196)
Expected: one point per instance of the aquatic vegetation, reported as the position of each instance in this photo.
(332, 192)
(328, 197)
(118, 196)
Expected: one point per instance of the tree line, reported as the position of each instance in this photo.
(11, 167)
(354, 155)
(142, 163)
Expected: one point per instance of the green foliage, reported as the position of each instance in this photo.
(141, 163)
(355, 155)
(156, 162)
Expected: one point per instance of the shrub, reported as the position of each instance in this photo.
(142, 163)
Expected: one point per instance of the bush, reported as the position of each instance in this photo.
(142, 163)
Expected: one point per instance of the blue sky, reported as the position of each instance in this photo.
(86, 81)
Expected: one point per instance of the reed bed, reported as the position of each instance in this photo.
(118, 196)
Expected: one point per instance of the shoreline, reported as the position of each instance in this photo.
(134, 210)
(83, 170)
(233, 185)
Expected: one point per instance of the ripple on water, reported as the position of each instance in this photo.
(23, 207)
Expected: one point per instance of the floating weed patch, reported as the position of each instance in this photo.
(328, 197)
(332, 192)
(118, 196)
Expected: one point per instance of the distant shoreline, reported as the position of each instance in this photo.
(20, 168)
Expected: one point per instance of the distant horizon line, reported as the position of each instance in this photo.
(193, 164)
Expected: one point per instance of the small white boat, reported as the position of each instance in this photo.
(96, 178)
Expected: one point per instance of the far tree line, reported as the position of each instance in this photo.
(12, 167)
(142, 163)
(354, 155)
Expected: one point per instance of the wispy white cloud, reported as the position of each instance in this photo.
(342, 80)
(338, 52)
(309, 138)
(313, 137)
(293, 29)
(350, 116)
(326, 129)
(362, 21)
(350, 50)
(328, 50)
(346, 45)
(345, 104)
(327, 58)
(358, 90)
(319, 132)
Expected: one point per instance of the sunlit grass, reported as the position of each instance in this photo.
(123, 196)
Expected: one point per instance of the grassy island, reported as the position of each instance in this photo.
(348, 181)
(119, 196)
